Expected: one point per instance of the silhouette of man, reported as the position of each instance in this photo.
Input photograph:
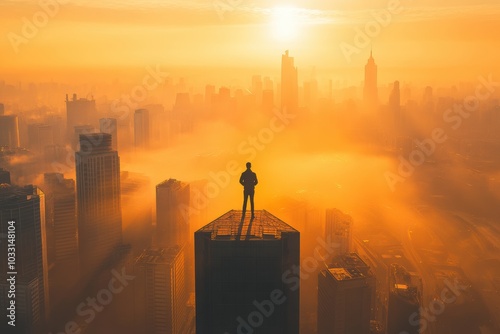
(248, 180)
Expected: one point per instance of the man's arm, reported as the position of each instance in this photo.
(242, 180)
(256, 181)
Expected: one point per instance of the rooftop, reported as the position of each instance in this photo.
(158, 255)
(345, 274)
(230, 226)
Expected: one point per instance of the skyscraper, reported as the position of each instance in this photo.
(344, 300)
(141, 128)
(246, 275)
(405, 295)
(40, 136)
(79, 112)
(62, 234)
(9, 131)
(25, 206)
(110, 125)
(289, 84)
(98, 199)
(172, 207)
(395, 109)
(338, 229)
(4, 176)
(371, 88)
(160, 291)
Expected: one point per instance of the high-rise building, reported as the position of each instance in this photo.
(160, 293)
(25, 206)
(289, 84)
(371, 88)
(40, 136)
(172, 213)
(78, 131)
(246, 275)
(62, 234)
(395, 108)
(405, 295)
(9, 131)
(4, 176)
(110, 125)
(338, 228)
(141, 128)
(344, 300)
(79, 111)
(98, 200)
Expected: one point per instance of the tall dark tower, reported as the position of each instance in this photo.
(245, 277)
(22, 215)
(371, 89)
(98, 199)
(289, 84)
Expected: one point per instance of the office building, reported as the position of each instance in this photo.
(405, 295)
(79, 111)
(160, 291)
(289, 84)
(172, 213)
(338, 229)
(25, 206)
(245, 277)
(141, 128)
(110, 126)
(62, 234)
(344, 300)
(98, 200)
(370, 91)
(9, 131)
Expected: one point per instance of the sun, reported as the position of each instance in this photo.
(285, 23)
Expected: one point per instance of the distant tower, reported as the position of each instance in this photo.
(110, 126)
(9, 131)
(160, 291)
(62, 234)
(98, 199)
(403, 314)
(141, 128)
(172, 209)
(289, 84)
(395, 108)
(344, 299)
(79, 112)
(26, 207)
(40, 136)
(245, 277)
(371, 88)
(338, 228)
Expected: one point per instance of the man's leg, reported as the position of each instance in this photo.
(245, 198)
(251, 202)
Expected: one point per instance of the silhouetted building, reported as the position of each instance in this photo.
(403, 315)
(289, 84)
(81, 130)
(245, 277)
(338, 227)
(40, 136)
(370, 91)
(141, 128)
(9, 131)
(344, 300)
(26, 207)
(160, 291)
(79, 112)
(98, 199)
(4, 176)
(395, 109)
(62, 234)
(172, 213)
(110, 126)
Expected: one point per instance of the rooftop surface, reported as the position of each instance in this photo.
(231, 226)
(158, 255)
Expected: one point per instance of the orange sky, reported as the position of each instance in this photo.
(110, 33)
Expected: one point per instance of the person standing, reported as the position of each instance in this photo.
(248, 180)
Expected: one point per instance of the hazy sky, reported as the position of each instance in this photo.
(248, 34)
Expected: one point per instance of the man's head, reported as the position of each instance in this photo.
(249, 165)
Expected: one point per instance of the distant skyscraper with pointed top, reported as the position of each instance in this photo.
(98, 199)
(289, 83)
(371, 89)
